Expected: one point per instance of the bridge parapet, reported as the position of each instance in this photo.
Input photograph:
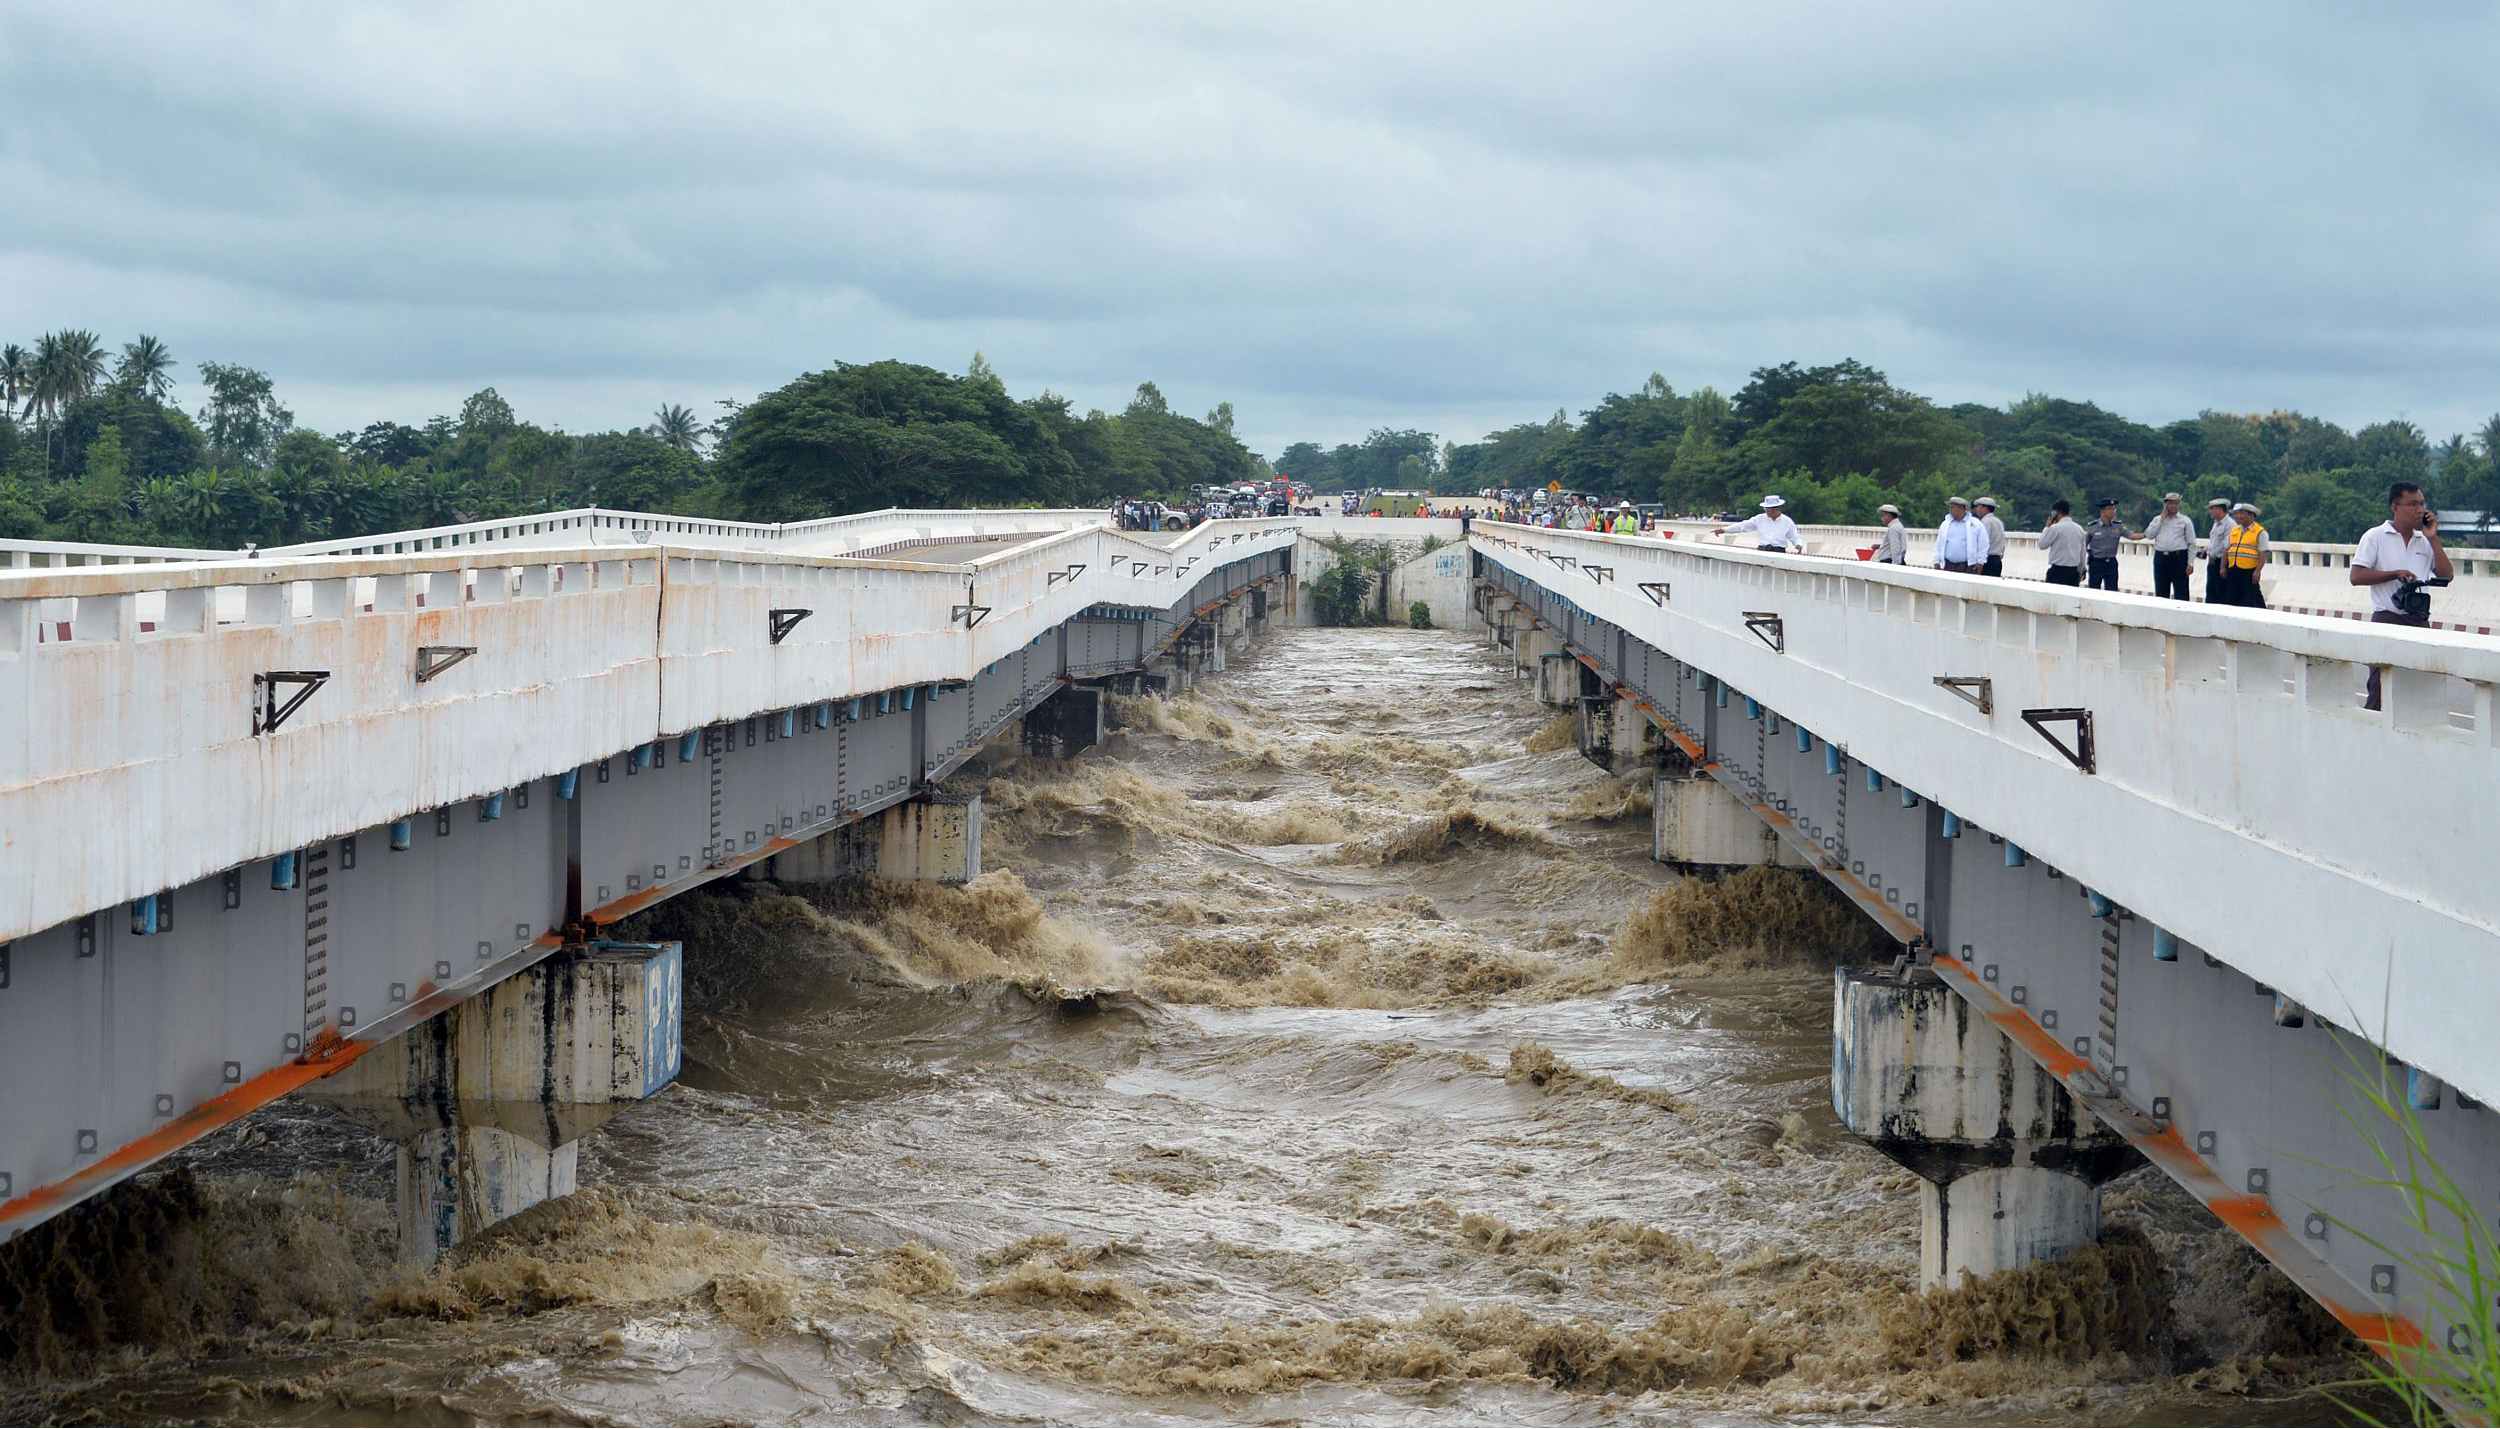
(2237, 793)
(150, 733)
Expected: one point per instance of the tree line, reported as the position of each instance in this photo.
(95, 447)
(1842, 439)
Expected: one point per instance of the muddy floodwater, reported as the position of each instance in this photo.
(1324, 1047)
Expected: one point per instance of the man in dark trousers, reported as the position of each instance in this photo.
(2394, 558)
(2172, 535)
(2062, 542)
(2100, 547)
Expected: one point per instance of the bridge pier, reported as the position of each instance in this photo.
(1615, 735)
(2010, 1167)
(1065, 725)
(489, 1101)
(1697, 825)
(935, 838)
(1532, 650)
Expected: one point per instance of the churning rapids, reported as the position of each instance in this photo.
(1323, 1047)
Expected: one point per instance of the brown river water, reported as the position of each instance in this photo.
(1325, 1047)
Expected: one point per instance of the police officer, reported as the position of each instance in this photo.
(2100, 548)
(2217, 536)
(1984, 511)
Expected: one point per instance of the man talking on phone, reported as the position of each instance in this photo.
(2393, 560)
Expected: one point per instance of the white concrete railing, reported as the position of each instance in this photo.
(594, 525)
(20, 555)
(2243, 797)
(128, 764)
(2308, 578)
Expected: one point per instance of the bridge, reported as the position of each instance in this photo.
(2161, 883)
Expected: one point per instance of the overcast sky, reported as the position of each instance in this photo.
(1335, 216)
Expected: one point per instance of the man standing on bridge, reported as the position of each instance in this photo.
(1894, 548)
(2171, 534)
(1961, 543)
(1984, 511)
(1772, 528)
(2100, 547)
(2062, 542)
(2217, 537)
(2394, 557)
(2244, 553)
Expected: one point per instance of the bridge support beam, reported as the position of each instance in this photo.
(1696, 824)
(1065, 725)
(489, 1101)
(2011, 1168)
(935, 839)
(1614, 734)
(1557, 678)
(1531, 646)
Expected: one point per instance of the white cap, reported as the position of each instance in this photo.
(1955, 501)
(1887, 509)
(1769, 502)
(2250, 507)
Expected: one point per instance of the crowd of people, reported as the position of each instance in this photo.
(2399, 560)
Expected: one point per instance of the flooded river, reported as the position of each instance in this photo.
(1324, 1047)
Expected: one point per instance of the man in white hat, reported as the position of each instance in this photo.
(1894, 547)
(2171, 534)
(1961, 543)
(1984, 511)
(2245, 551)
(1772, 528)
(2217, 537)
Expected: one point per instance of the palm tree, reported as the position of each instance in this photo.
(17, 373)
(147, 367)
(69, 364)
(676, 426)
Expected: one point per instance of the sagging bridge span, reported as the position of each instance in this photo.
(2162, 883)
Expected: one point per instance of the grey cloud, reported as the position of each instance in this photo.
(1368, 215)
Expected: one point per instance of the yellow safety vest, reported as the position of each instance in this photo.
(1626, 526)
(2241, 554)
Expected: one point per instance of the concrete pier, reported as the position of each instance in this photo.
(490, 1100)
(1616, 736)
(1697, 825)
(2010, 1167)
(1557, 673)
(936, 839)
(1065, 725)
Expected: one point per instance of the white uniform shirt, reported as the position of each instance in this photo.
(1893, 548)
(1772, 528)
(2381, 549)
(1996, 533)
(2218, 539)
(2171, 533)
(1961, 541)
(2062, 543)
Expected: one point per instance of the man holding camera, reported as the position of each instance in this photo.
(2394, 558)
